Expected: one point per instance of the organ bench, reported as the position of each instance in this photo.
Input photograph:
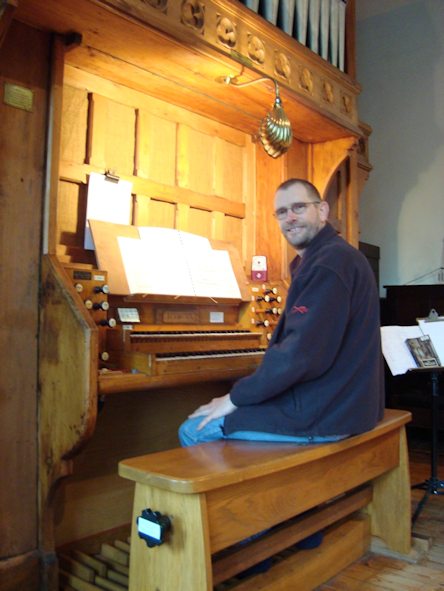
(219, 493)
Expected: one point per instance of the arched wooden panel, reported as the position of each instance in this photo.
(326, 159)
(336, 197)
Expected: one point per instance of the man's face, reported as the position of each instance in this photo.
(299, 229)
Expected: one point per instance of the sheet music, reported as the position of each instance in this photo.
(172, 262)
(151, 268)
(193, 245)
(213, 275)
(435, 330)
(394, 348)
(107, 201)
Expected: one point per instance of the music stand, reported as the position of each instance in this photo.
(432, 485)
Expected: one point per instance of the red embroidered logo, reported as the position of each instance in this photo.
(301, 309)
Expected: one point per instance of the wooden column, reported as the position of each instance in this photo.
(24, 58)
(53, 146)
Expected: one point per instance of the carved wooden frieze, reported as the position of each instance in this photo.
(306, 80)
(226, 32)
(363, 153)
(250, 40)
(256, 49)
(327, 92)
(282, 66)
(192, 14)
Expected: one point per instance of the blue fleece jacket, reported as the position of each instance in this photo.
(322, 373)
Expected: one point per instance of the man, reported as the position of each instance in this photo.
(321, 378)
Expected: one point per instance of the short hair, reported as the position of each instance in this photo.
(310, 188)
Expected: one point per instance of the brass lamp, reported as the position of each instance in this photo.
(275, 130)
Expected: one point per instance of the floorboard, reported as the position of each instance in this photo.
(379, 573)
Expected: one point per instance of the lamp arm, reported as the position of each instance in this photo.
(275, 131)
(234, 81)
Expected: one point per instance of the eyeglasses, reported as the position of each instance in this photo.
(297, 208)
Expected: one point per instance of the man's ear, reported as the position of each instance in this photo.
(324, 210)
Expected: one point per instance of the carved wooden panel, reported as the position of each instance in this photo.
(187, 171)
(195, 166)
(229, 170)
(199, 222)
(336, 197)
(120, 138)
(156, 148)
(160, 214)
(75, 120)
(197, 169)
(230, 28)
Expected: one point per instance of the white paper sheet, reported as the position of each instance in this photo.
(172, 262)
(154, 269)
(107, 201)
(191, 243)
(396, 353)
(435, 330)
(213, 275)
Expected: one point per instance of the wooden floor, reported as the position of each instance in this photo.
(379, 573)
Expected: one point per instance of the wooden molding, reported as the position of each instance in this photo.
(232, 29)
(21, 572)
(79, 174)
(171, 61)
(7, 9)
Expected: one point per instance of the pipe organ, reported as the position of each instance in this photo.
(132, 90)
(318, 24)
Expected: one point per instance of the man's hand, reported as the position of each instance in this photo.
(218, 407)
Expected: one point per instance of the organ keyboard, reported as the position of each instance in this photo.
(199, 353)
(151, 342)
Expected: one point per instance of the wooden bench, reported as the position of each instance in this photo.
(217, 494)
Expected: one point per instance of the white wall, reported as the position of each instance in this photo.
(400, 64)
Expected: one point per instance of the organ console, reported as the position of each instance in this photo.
(161, 342)
(136, 93)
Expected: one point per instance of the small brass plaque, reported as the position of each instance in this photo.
(19, 97)
(245, 61)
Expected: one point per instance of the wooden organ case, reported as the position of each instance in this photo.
(133, 91)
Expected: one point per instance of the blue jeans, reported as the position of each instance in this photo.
(213, 431)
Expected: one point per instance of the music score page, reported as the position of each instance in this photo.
(395, 350)
(107, 201)
(172, 262)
